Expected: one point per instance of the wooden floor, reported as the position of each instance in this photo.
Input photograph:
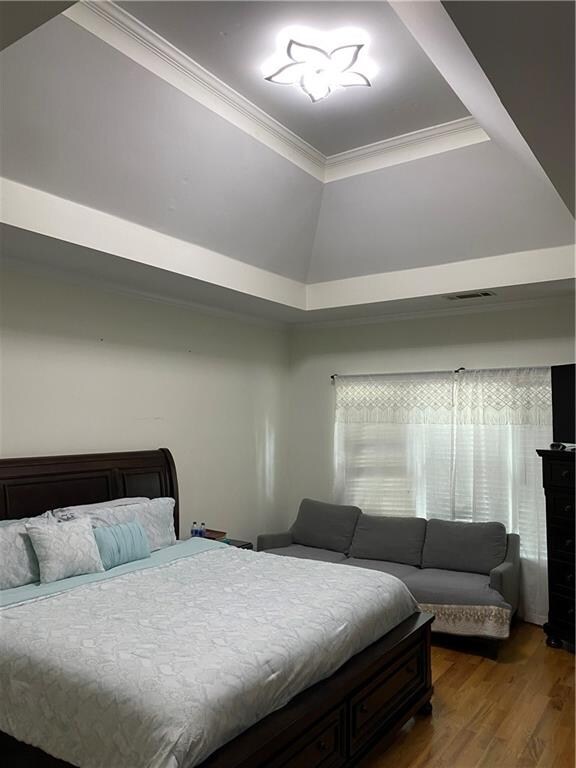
(517, 712)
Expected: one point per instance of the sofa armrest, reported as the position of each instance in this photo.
(273, 541)
(505, 578)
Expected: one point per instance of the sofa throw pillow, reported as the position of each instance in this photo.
(394, 539)
(325, 526)
(459, 546)
(65, 549)
(123, 543)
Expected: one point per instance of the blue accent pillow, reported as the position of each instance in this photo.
(123, 543)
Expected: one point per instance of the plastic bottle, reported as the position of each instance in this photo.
(202, 529)
(194, 531)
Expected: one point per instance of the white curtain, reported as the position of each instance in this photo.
(455, 446)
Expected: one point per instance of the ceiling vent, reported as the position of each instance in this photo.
(471, 295)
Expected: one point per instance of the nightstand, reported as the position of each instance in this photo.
(238, 543)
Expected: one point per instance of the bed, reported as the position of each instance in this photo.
(229, 669)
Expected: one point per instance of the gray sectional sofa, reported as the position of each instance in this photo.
(467, 574)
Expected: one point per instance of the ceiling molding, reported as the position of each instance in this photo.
(37, 211)
(418, 314)
(521, 268)
(405, 148)
(73, 278)
(431, 26)
(147, 48)
(134, 39)
(46, 214)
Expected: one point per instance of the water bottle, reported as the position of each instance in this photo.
(203, 529)
(194, 531)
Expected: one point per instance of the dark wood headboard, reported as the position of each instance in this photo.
(30, 486)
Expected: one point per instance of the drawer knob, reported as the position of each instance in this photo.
(363, 708)
(322, 745)
(568, 508)
(569, 578)
(565, 474)
(570, 611)
(569, 543)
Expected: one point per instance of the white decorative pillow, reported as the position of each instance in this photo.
(156, 516)
(70, 513)
(65, 550)
(18, 561)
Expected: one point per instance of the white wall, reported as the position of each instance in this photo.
(85, 369)
(247, 410)
(542, 334)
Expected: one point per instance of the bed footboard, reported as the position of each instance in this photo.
(332, 724)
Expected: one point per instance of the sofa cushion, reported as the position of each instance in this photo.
(471, 547)
(396, 539)
(441, 587)
(309, 553)
(327, 526)
(400, 570)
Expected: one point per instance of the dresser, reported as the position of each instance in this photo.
(558, 476)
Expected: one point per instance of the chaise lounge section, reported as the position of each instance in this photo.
(466, 574)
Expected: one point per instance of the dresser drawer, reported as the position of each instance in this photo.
(383, 696)
(324, 746)
(561, 540)
(561, 609)
(560, 507)
(559, 473)
(561, 577)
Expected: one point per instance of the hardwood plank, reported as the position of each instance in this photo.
(517, 712)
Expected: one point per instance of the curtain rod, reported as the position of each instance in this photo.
(334, 376)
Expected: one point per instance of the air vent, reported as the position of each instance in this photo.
(466, 296)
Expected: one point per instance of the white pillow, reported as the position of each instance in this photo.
(65, 550)
(18, 561)
(70, 513)
(156, 516)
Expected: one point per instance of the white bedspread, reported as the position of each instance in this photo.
(160, 667)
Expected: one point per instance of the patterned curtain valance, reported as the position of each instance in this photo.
(504, 396)
(413, 398)
(496, 396)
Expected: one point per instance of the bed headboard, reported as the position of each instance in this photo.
(30, 486)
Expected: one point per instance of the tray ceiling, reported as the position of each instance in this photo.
(164, 176)
(232, 39)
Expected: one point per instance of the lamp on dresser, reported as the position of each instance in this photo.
(558, 475)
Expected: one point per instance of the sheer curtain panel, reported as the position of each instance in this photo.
(455, 446)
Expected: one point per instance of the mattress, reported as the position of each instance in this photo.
(164, 661)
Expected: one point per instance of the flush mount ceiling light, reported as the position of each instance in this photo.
(320, 63)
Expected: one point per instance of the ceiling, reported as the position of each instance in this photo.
(23, 250)
(159, 168)
(17, 19)
(232, 39)
(548, 29)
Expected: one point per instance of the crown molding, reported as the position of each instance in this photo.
(128, 35)
(134, 39)
(540, 302)
(46, 214)
(490, 272)
(405, 148)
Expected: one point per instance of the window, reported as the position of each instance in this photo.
(455, 446)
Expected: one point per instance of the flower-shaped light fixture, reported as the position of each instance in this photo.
(320, 69)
